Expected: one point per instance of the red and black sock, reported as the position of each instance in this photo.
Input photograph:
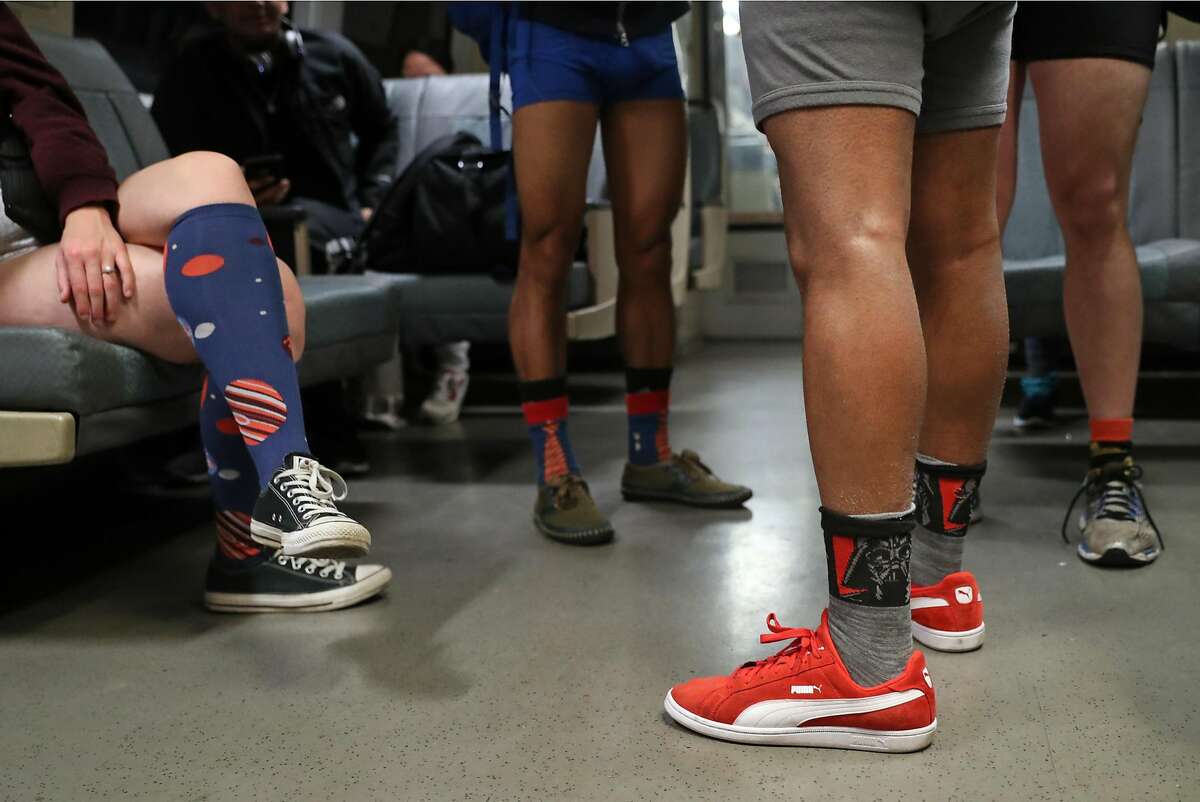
(544, 404)
(1112, 440)
(648, 403)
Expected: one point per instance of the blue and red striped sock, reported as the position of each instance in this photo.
(544, 404)
(231, 473)
(223, 283)
(648, 402)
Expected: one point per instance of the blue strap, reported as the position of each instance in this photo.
(498, 50)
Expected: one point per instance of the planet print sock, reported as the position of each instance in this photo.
(232, 475)
(223, 284)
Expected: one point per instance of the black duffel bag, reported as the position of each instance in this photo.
(444, 214)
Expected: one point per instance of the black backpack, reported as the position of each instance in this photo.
(444, 214)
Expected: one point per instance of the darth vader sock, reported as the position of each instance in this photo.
(867, 557)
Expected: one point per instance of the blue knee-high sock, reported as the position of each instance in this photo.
(231, 473)
(223, 283)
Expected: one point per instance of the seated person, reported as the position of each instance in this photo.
(175, 261)
(309, 96)
(312, 98)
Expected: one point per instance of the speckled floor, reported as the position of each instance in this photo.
(502, 666)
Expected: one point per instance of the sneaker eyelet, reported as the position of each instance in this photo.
(310, 570)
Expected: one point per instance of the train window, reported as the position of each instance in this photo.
(753, 175)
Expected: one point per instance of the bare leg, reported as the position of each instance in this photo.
(1006, 179)
(552, 143)
(151, 200)
(645, 150)
(845, 175)
(1090, 113)
(954, 253)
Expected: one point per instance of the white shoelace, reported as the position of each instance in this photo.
(311, 565)
(313, 489)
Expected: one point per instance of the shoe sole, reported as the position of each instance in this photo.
(588, 537)
(340, 540)
(726, 502)
(1117, 558)
(321, 602)
(439, 418)
(864, 740)
(946, 640)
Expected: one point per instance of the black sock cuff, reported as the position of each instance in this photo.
(638, 380)
(542, 389)
(1103, 452)
(959, 471)
(867, 560)
(835, 523)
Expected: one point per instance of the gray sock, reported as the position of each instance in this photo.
(935, 555)
(868, 564)
(874, 642)
(937, 545)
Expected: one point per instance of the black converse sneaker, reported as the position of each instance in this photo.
(296, 513)
(282, 584)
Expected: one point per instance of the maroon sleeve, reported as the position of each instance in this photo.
(69, 160)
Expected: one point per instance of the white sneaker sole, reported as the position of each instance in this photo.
(320, 602)
(947, 641)
(339, 540)
(440, 416)
(821, 737)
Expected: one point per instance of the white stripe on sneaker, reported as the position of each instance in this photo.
(795, 712)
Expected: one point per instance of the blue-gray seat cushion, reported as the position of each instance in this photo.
(442, 308)
(59, 370)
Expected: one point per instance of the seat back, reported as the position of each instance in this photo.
(113, 106)
(1156, 195)
(1187, 79)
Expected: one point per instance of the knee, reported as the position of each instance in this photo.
(846, 252)
(944, 241)
(1090, 207)
(645, 253)
(293, 302)
(547, 253)
(213, 177)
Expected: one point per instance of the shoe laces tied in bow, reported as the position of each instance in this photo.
(569, 490)
(1118, 496)
(804, 645)
(313, 489)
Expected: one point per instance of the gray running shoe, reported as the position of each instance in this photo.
(1116, 524)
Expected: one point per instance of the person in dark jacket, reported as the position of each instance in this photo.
(573, 65)
(256, 88)
(174, 261)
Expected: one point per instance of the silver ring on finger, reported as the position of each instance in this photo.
(108, 269)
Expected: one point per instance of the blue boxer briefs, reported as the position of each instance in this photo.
(547, 63)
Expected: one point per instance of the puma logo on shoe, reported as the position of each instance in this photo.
(963, 594)
(809, 689)
(925, 674)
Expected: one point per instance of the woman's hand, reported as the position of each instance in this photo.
(94, 270)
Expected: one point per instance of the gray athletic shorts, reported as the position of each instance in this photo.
(947, 63)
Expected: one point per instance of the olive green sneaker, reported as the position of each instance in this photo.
(564, 511)
(683, 479)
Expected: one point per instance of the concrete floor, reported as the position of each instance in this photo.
(502, 666)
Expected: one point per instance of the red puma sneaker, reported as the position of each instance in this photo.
(948, 616)
(803, 696)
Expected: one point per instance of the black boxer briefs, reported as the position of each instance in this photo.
(1126, 31)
